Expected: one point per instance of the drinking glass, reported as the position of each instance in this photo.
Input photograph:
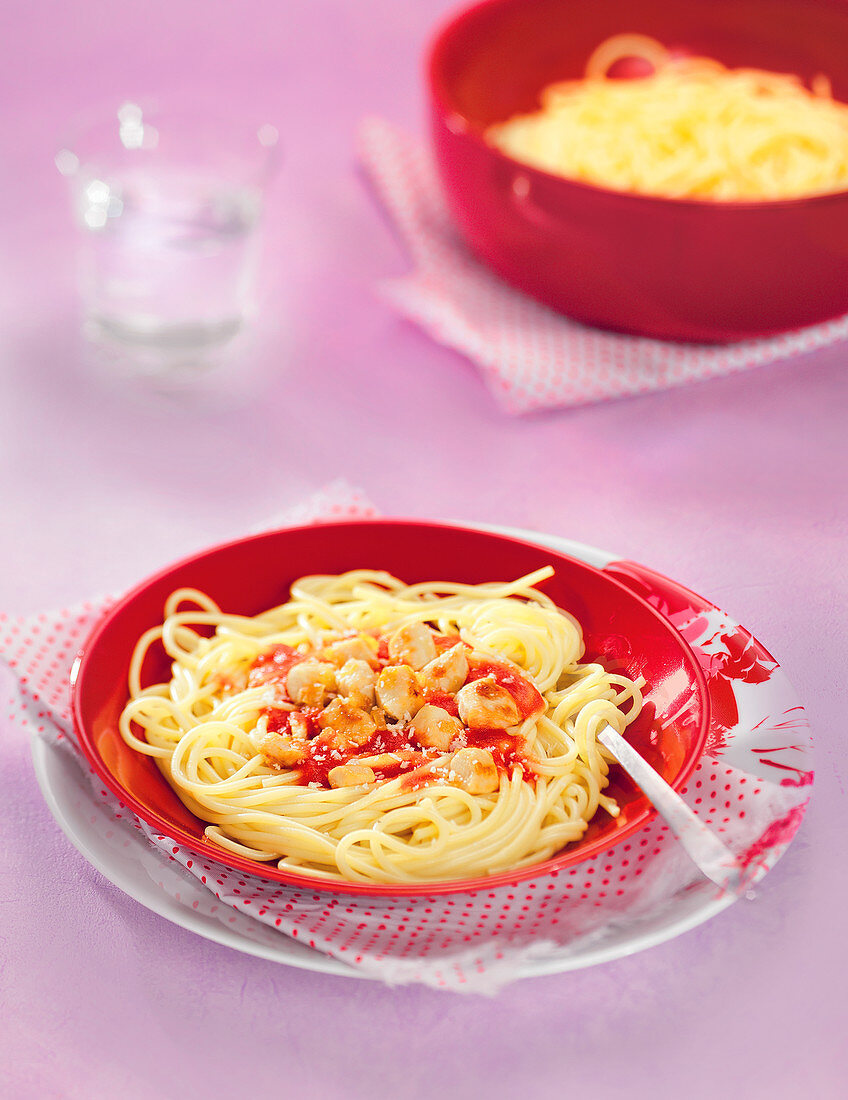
(169, 206)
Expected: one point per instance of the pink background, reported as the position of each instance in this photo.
(734, 487)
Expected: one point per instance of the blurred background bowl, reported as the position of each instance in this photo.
(676, 269)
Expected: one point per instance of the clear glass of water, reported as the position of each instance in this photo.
(169, 205)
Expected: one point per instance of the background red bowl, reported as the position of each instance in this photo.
(674, 269)
(254, 574)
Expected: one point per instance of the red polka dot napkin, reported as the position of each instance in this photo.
(637, 893)
(530, 356)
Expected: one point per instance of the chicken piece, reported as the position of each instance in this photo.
(343, 724)
(399, 693)
(383, 761)
(448, 671)
(299, 726)
(310, 682)
(350, 649)
(474, 770)
(486, 704)
(387, 759)
(434, 728)
(350, 775)
(357, 679)
(413, 644)
(379, 716)
(282, 750)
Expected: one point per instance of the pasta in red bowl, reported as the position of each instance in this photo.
(386, 706)
(669, 170)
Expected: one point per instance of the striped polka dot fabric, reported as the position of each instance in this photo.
(474, 942)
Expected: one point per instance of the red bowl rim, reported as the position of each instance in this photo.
(441, 98)
(313, 883)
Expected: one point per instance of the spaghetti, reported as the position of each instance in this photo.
(372, 731)
(692, 128)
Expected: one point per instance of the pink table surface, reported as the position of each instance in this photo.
(734, 487)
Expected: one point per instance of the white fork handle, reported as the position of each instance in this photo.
(703, 847)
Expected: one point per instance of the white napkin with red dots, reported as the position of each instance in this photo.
(530, 356)
(473, 943)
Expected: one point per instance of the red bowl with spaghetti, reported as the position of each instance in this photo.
(623, 635)
(687, 269)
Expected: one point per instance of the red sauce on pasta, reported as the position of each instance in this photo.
(527, 697)
(273, 666)
(396, 741)
(442, 699)
(508, 750)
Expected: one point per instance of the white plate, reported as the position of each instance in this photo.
(126, 859)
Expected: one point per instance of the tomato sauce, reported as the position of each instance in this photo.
(507, 750)
(323, 757)
(273, 666)
(442, 699)
(527, 697)
(279, 720)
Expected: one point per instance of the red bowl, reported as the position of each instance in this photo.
(253, 574)
(677, 269)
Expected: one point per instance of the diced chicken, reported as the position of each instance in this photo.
(310, 682)
(448, 671)
(281, 750)
(398, 692)
(349, 649)
(474, 770)
(486, 704)
(357, 678)
(434, 728)
(350, 775)
(379, 717)
(299, 725)
(387, 759)
(343, 724)
(413, 644)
